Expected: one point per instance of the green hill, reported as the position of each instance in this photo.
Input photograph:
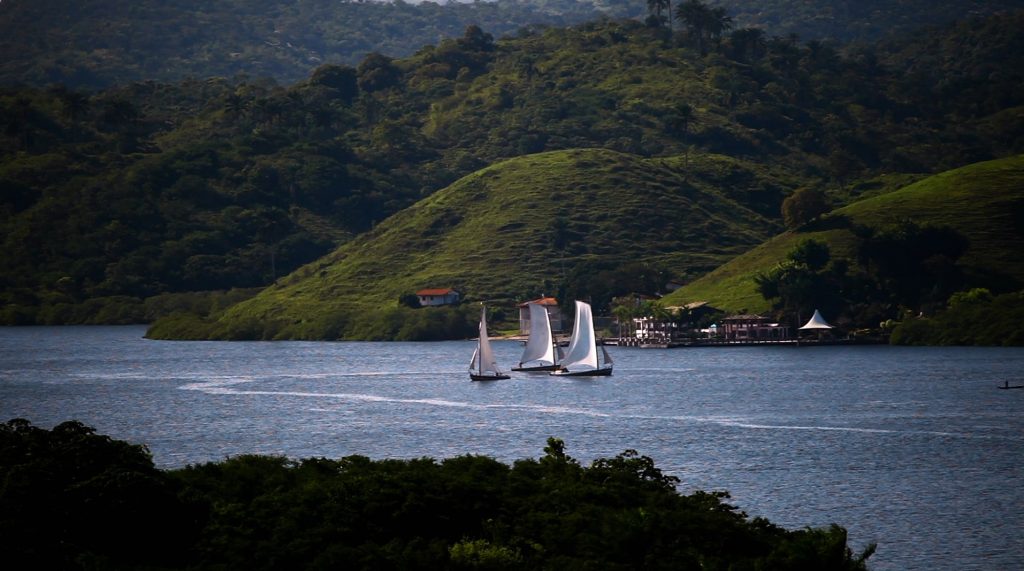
(516, 230)
(113, 198)
(983, 202)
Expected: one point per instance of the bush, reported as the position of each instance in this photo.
(802, 206)
(264, 512)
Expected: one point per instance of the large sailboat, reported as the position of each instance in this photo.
(582, 359)
(483, 366)
(539, 353)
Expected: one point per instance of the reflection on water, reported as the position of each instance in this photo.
(912, 448)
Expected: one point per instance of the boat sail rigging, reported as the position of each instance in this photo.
(483, 366)
(539, 353)
(582, 358)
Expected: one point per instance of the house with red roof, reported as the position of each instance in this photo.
(437, 296)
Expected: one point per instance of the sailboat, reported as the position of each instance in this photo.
(582, 357)
(539, 354)
(483, 366)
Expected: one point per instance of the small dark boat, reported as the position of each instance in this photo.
(1007, 385)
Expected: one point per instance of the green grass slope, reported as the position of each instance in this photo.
(513, 230)
(984, 202)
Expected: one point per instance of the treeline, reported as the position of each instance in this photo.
(153, 188)
(903, 267)
(401, 323)
(109, 42)
(972, 317)
(74, 499)
(104, 43)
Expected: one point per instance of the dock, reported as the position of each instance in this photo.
(674, 344)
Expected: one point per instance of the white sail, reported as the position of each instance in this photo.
(582, 352)
(540, 349)
(486, 363)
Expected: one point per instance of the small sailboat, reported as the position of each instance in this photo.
(581, 359)
(539, 354)
(483, 366)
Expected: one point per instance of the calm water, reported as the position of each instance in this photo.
(913, 448)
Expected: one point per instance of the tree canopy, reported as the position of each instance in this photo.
(265, 512)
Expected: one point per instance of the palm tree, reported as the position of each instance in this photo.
(655, 7)
(661, 316)
(75, 104)
(695, 15)
(623, 313)
(749, 44)
(719, 22)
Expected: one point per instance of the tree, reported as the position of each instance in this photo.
(696, 16)
(377, 72)
(811, 253)
(802, 206)
(748, 44)
(75, 104)
(655, 7)
(719, 22)
(703, 22)
(624, 313)
(913, 264)
(803, 281)
(341, 78)
(679, 120)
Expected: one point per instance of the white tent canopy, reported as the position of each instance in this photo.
(817, 322)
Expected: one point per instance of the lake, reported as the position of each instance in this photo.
(912, 448)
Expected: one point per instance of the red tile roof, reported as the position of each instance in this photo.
(436, 291)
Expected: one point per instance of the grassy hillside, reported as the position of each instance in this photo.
(984, 202)
(515, 230)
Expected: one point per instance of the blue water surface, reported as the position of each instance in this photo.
(913, 448)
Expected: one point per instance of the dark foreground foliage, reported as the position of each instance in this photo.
(73, 499)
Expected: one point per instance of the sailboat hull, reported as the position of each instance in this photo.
(537, 369)
(603, 372)
(497, 377)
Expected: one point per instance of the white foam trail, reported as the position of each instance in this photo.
(226, 384)
(870, 430)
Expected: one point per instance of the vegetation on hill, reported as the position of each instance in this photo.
(545, 223)
(114, 197)
(101, 43)
(467, 512)
(974, 317)
(903, 251)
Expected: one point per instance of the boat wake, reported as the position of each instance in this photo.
(236, 386)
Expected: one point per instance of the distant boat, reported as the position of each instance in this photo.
(539, 354)
(483, 366)
(1007, 385)
(581, 359)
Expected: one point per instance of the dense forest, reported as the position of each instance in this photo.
(74, 499)
(102, 43)
(150, 190)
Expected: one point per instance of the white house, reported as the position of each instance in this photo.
(437, 296)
